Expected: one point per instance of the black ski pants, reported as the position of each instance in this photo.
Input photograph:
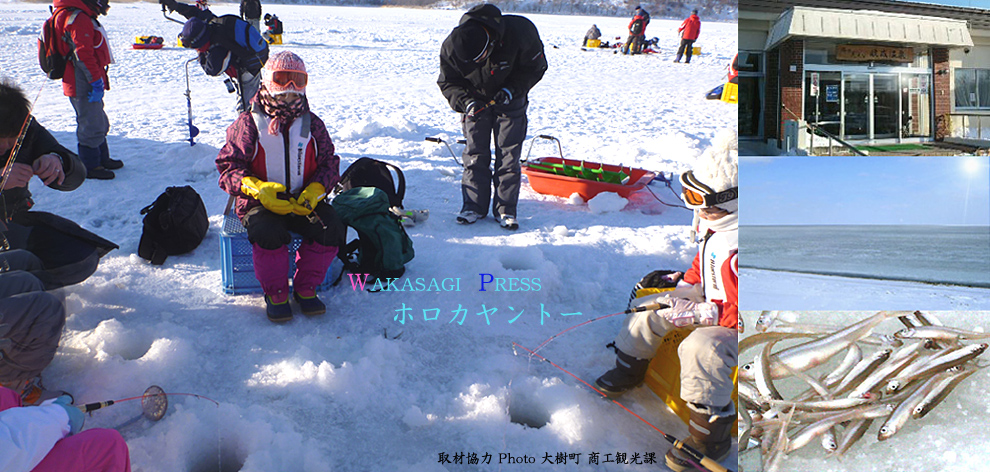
(687, 45)
(272, 231)
(508, 126)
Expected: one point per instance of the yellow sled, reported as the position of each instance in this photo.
(593, 43)
(730, 93)
(273, 38)
(696, 50)
(664, 376)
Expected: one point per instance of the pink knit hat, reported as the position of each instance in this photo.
(283, 73)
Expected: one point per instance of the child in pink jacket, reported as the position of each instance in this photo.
(279, 163)
(46, 438)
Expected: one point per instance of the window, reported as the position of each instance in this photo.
(750, 62)
(972, 88)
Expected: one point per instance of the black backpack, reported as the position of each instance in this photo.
(174, 224)
(368, 172)
(637, 26)
(52, 63)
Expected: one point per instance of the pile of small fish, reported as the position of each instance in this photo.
(892, 379)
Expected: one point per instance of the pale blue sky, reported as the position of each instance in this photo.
(985, 4)
(864, 190)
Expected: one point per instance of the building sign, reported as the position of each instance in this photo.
(814, 84)
(864, 53)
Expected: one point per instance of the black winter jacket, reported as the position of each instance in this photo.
(517, 61)
(223, 50)
(38, 142)
(251, 9)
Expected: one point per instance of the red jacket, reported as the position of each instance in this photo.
(690, 28)
(91, 47)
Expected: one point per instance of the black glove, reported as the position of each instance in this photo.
(503, 97)
(660, 279)
(472, 108)
(170, 4)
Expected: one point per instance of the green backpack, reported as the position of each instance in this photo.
(383, 247)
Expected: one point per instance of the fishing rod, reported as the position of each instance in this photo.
(650, 307)
(699, 460)
(154, 402)
(20, 141)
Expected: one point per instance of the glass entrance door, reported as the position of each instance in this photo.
(886, 106)
(821, 102)
(856, 109)
(916, 106)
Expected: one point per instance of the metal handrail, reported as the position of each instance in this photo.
(831, 137)
(817, 130)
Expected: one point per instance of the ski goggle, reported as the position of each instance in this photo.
(284, 78)
(698, 195)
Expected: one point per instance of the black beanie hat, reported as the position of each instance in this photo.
(469, 40)
(194, 33)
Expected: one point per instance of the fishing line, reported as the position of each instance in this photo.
(154, 404)
(652, 306)
(696, 458)
(663, 202)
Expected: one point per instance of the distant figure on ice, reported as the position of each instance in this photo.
(251, 12)
(47, 438)
(274, 197)
(488, 64)
(689, 30)
(274, 33)
(705, 299)
(592, 33)
(226, 44)
(637, 31)
(86, 79)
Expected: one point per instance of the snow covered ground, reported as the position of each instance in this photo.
(356, 390)
(782, 290)
(938, 442)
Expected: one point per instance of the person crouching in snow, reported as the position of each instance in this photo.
(706, 299)
(47, 438)
(277, 193)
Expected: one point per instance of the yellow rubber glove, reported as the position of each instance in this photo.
(267, 194)
(309, 198)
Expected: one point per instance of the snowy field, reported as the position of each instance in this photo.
(782, 290)
(355, 390)
(941, 441)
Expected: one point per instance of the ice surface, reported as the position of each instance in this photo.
(355, 390)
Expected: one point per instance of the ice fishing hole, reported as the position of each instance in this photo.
(521, 259)
(231, 458)
(525, 410)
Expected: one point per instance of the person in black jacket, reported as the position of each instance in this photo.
(226, 44)
(488, 64)
(251, 12)
(55, 250)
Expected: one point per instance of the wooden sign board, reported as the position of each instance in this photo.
(851, 52)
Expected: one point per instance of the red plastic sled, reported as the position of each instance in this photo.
(563, 186)
(148, 42)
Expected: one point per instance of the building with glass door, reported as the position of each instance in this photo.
(876, 72)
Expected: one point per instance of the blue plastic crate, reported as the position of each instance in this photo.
(237, 272)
